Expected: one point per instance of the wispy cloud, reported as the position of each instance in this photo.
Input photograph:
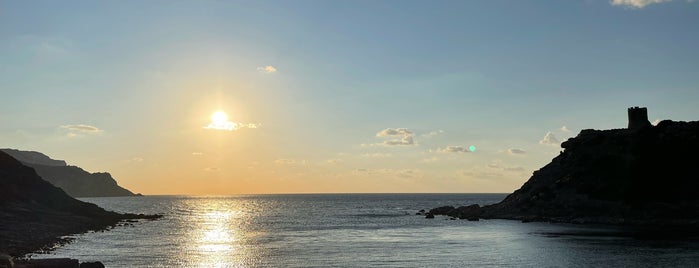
(284, 161)
(377, 155)
(432, 133)
(80, 130)
(396, 137)
(636, 3)
(430, 160)
(406, 140)
(656, 122)
(550, 139)
(403, 173)
(454, 149)
(515, 151)
(269, 69)
(499, 166)
(334, 161)
(389, 132)
(229, 126)
(197, 153)
(565, 129)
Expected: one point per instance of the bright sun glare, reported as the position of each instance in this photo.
(219, 121)
(219, 117)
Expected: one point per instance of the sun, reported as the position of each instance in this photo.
(219, 118)
(219, 121)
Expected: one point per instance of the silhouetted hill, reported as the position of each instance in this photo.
(623, 175)
(31, 157)
(645, 175)
(34, 213)
(73, 180)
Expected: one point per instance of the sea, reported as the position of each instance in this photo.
(355, 230)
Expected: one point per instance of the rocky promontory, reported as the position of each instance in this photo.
(75, 181)
(641, 175)
(35, 214)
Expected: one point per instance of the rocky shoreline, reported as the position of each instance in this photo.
(640, 176)
(36, 216)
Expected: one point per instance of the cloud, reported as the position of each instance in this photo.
(636, 3)
(285, 161)
(197, 153)
(82, 128)
(212, 169)
(454, 149)
(137, 159)
(515, 151)
(550, 139)
(394, 132)
(229, 126)
(407, 140)
(377, 155)
(403, 173)
(432, 133)
(655, 123)
(398, 137)
(430, 160)
(564, 129)
(498, 166)
(269, 69)
(335, 161)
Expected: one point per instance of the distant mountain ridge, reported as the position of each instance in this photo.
(75, 181)
(32, 157)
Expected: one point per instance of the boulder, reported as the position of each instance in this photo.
(95, 264)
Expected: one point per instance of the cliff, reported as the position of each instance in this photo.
(75, 181)
(641, 176)
(35, 214)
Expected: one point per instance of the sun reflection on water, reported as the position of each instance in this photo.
(218, 237)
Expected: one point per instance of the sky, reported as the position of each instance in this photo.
(334, 96)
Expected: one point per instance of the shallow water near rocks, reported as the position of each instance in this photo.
(353, 230)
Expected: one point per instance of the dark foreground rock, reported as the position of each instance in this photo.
(75, 181)
(35, 215)
(645, 175)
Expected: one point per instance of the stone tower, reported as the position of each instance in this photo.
(638, 117)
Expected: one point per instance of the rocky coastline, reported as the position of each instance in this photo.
(37, 216)
(643, 175)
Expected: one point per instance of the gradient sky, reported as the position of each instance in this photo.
(334, 96)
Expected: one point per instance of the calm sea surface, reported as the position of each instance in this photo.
(353, 230)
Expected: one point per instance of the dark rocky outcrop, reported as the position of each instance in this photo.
(75, 181)
(642, 176)
(471, 212)
(35, 214)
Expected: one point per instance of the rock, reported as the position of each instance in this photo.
(467, 212)
(48, 263)
(95, 264)
(429, 216)
(6, 261)
(441, 210)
